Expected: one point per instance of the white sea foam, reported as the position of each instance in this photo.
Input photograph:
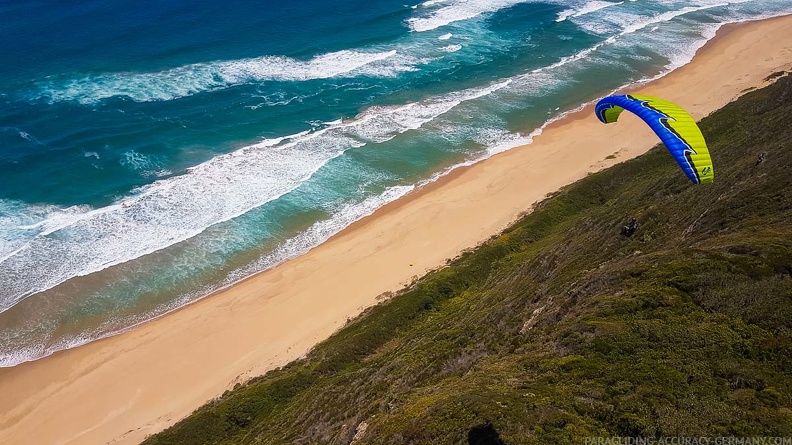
(202, 77)
(629, 24)
(212, 76)
(685, 46)
(161, 214)
(430, 3)
(27, 136)
(625, 22)
(15, 218)
(456, 11)
(587, 8)
(495, 140)
(318, 233)
(27, 353)
(79, 240)
(451, 48)
(22, 134)
(139, 161)
(160, 173)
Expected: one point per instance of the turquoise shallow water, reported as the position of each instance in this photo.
(150, 155)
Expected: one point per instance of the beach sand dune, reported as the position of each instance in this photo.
(121, 389)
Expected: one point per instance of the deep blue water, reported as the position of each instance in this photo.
(151, 153)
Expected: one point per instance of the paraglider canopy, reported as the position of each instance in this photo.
(673, 125)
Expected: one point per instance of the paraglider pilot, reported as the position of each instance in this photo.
(629, 228)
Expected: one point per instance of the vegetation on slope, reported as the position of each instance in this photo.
(560, 328)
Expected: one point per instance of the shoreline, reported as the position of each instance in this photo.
(577, 113)
(143, 380)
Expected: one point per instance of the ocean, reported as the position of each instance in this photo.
(153, 153)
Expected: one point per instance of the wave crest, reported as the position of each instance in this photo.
(206, 77)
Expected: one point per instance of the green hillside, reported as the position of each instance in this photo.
(560, 328)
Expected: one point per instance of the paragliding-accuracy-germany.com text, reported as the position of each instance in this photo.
(682, 440)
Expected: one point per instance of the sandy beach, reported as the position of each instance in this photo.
(122, 389)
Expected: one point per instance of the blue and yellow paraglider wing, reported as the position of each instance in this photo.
(675, 127)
